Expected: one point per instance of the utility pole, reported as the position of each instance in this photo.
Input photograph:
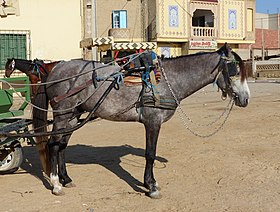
(262, 40)
(94, 28)
(89, 28)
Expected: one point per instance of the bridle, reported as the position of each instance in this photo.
(224, 64)
(13, 65)
(34, 66)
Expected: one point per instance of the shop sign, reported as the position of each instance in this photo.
(203, 44)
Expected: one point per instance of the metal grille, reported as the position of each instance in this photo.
(268, 69)
(265, 67)
(14, 44)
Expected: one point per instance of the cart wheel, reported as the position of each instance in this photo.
(12, 162)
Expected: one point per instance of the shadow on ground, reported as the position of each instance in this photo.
(109, 157)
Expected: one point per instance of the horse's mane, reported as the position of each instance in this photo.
(186, 56)
(243, 71)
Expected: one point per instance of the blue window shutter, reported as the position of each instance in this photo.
(123, 19)
(113, 19)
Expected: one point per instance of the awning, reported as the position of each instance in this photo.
(140, 45)
(109, 41)
(215, 1)
(92, 42)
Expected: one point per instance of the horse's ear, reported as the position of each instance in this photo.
(225, 49)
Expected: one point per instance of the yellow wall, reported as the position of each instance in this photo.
(175, 49)
(164, 30)
(225, 31)
(55, 27)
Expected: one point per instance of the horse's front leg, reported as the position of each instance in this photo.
(152, 132)
(54, 178)
(34, 81)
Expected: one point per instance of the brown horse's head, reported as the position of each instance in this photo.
(10, 67)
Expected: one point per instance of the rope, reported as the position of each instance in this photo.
(83, 73)
(119, 75)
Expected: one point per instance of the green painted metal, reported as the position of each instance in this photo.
(6, 100)
(6, 97)
(12, 46)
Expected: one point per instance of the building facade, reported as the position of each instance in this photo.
(49, 30)
(267, 31)
(170, 27)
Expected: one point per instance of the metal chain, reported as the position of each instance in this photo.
(210, 123)
(183, 115)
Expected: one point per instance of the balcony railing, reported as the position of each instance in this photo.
(203, 32)
(120, 34)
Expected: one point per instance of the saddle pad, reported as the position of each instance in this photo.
(132, 81)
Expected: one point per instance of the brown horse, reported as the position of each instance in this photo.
(35, 70)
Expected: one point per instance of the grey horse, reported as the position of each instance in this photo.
(70, 95)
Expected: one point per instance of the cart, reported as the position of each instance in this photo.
(12, 120)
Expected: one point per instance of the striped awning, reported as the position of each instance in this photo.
(91, 42)
(134, 45)
(109, 42)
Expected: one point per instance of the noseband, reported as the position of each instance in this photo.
(12, 65)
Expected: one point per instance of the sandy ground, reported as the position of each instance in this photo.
(237, 169)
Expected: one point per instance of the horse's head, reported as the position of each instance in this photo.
(10, 67)
(232, 77)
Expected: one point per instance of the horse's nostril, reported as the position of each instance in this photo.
(246, 101)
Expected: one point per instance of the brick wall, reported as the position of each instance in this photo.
(270, 39)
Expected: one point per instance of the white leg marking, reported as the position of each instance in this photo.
(57, 189)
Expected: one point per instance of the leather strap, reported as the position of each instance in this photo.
(71, 92)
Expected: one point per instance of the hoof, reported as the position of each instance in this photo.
(70, 185)
(58, 192)
(155, 194)
(149, 186)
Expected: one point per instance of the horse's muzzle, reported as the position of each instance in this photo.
(241, 102)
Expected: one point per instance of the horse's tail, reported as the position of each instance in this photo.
(40, 121)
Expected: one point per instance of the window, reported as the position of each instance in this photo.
(232, 19)
(165, 51)
(119, 19)
(173, 16)
(203, 18)
(13, 44)
(249, 20)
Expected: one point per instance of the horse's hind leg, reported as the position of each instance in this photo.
(152, 132)
(64, 179)
(54, 178)
(57, 146)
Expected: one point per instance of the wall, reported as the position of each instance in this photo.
(104, 17)
(55, 27)
(270, 38)
(178, 30)
(232, 28)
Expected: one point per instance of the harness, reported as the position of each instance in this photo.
(79, 88)
(39, 68)
(146, 66)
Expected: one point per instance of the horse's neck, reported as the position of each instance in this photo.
(50, 66)
(189, 74)
(24, 66)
